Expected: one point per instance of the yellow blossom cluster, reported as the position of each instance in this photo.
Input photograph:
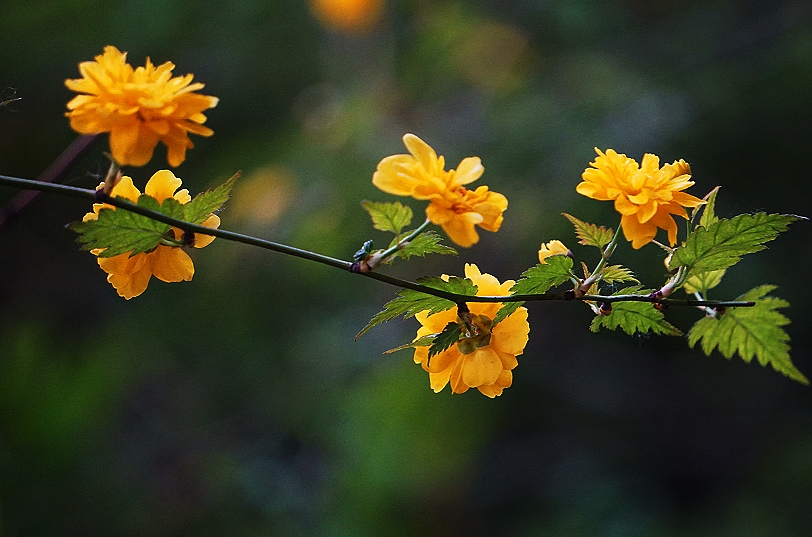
(484, 359)
(646, 195)
(452, 206)
(130, 275)
(138, 107)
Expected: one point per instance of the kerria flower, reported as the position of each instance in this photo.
(138, 107)
(486, 357)
(455, 208)
(131, 274)
(645, 195)
(552, 248)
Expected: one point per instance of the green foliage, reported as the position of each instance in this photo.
(437, 343)
(702, 282)
(618, 274)
(537, 280)
(590, 234)
(206, 203)
(709, 211)
(755, 331)
(119, 231)
(635, 317)
(424, 341)
(409, 303)
(425, 243)
(388, 216)
(449, 336)
(723, 243)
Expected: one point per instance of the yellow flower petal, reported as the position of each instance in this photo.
(511, 335)
(504, 381)
(482, 367)
(171, 264)
(460, 229)
(201, 240)
(130, 285)
(125, 189)
(554, 247)
(469, 170)
(162, 185)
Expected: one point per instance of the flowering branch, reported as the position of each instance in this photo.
(188, 227)
(474, 327)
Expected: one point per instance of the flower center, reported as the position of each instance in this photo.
(476, 332)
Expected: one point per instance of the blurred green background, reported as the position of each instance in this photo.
(239, 404)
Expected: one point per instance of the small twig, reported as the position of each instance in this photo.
(52, 174)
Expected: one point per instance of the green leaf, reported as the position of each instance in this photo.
(409, 303)
(635, 317)
(118, 231)
(206, 203)
(425, 243)
(437, 343)
(702, 282)
(724, 242)
(449, 336)
(424, 341)
(388, 216)
(590, 234)
(537, 280)
(618, 274)
(755, 331)
(709, 211)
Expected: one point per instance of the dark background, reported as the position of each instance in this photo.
(239, 404)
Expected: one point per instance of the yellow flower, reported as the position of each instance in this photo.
(456, 209)
(552, 248)
(131, 274)
(486, 359)
(645, 195)
(138, 107)
(347, 15)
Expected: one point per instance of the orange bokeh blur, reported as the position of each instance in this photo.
(352, 16)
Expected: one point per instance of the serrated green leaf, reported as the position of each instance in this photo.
(709, 209)
(388, 216)
(118, 231)
(424, 341)
(449, 336)
(702, 282)
(409, 303)
(590, 234)
(208, 202)
(618, 274)
(635, 317)
(537, 280)
(724, 242)
(451, 284)
(755, 331)
(425, 243)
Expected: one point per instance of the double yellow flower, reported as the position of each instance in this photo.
(452, 206)
(646, 195)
